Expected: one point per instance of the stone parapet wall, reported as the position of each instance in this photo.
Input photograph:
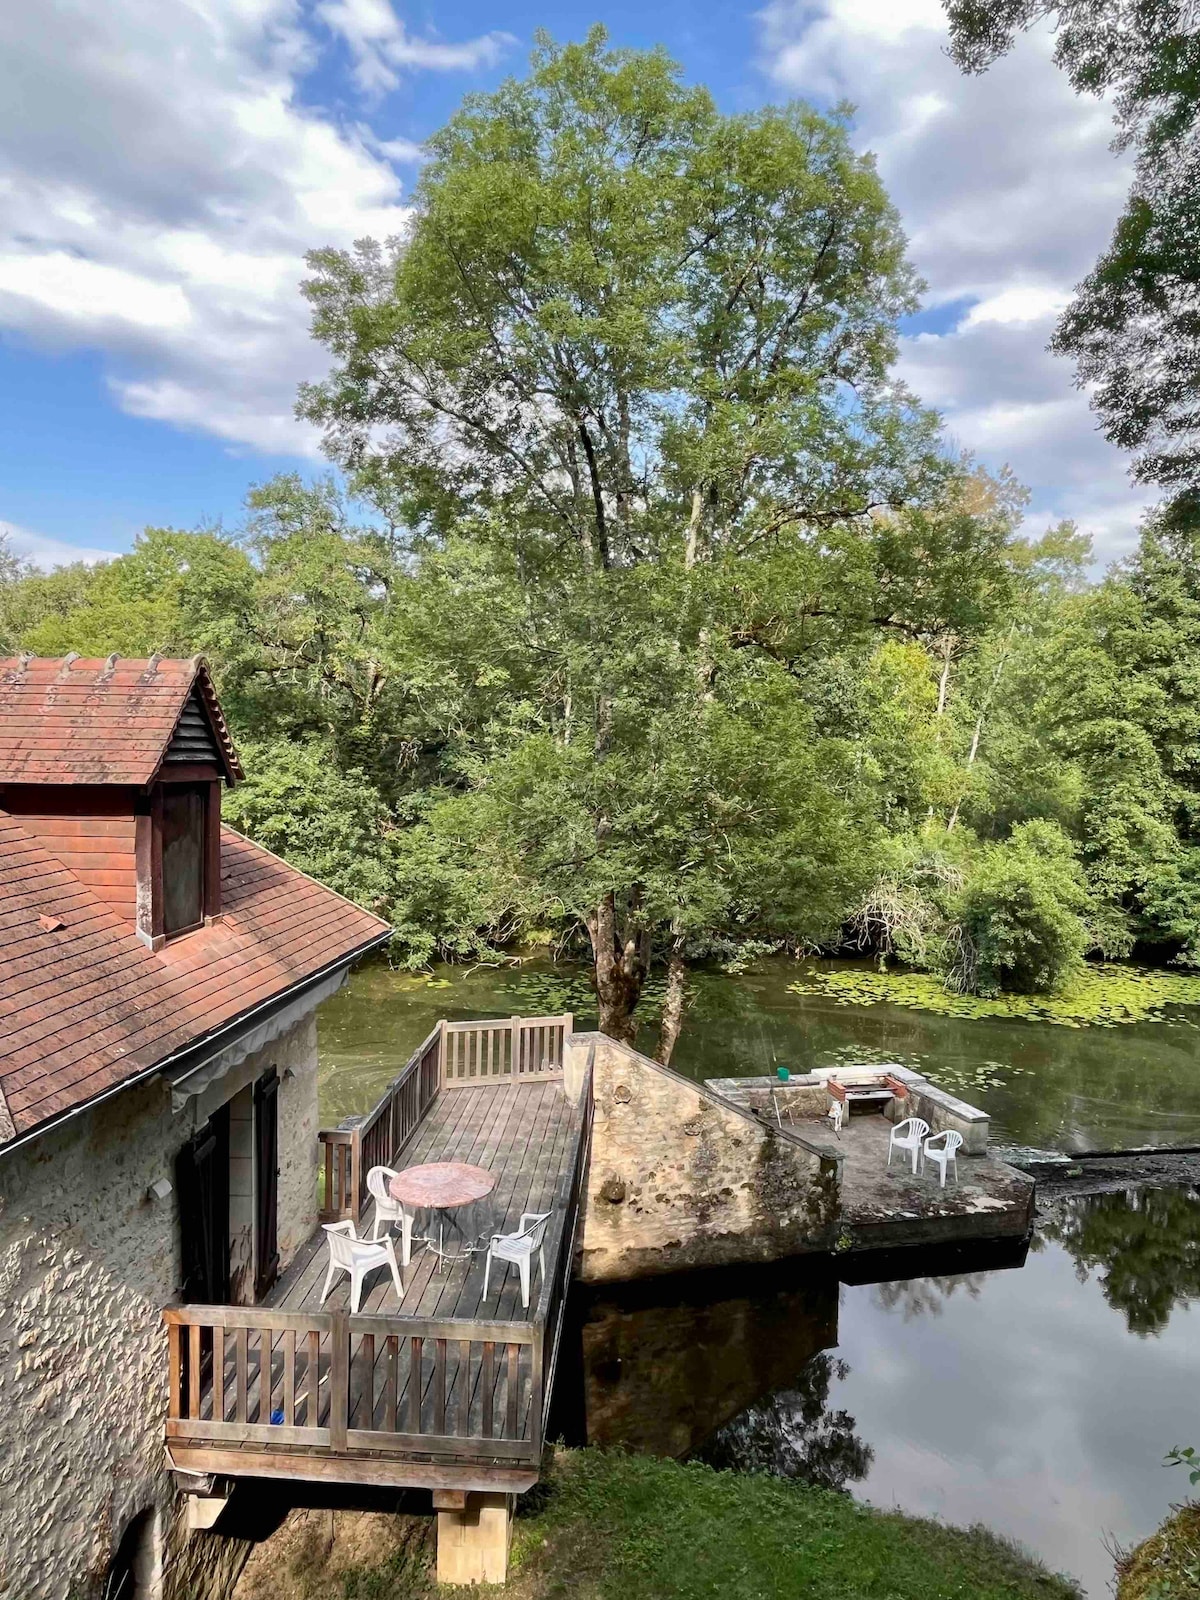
(806, 1096)
(680, 1178)
(88, 1260)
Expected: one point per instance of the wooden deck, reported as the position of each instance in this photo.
(526, 1133)
(438, 1389)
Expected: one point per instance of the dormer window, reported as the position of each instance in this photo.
(117, 767)
(184, 833)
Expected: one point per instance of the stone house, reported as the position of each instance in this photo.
(159, 978)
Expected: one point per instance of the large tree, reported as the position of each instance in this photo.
(637, 355)
(1134, 325)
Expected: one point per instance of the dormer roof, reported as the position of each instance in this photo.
(74, 720)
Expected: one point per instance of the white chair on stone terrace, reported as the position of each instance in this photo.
(943, 1148)
(516, 1250)
(389, 1210)
(349, 1253)
(907, 1135)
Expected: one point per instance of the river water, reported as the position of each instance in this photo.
(1035, 1394)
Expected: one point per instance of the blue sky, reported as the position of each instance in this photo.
(163, 168)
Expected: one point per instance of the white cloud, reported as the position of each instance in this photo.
(1008, 190)
(48, 553)
(160, 181)
(382, 46)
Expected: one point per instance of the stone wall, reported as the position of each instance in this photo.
(680, 1178)
(88, 1260)
(805, 1095)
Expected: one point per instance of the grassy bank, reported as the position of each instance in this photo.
(618, 1527)
(1167, 1565)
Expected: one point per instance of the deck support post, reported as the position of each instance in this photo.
(474, 1531)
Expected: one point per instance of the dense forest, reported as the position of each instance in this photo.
(648, 614)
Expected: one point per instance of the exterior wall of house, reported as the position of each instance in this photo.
(88, 1260)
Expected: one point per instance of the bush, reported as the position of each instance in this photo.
(1021, 915)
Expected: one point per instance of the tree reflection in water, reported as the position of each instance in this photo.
(925, 1297)
(795, 1434)
(1143, 1244)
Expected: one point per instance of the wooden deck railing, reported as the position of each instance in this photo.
(560, 1249)
(456, 1055)
(360, 1143)
(505, 1050)
(331, 1381)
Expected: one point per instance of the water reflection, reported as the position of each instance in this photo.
(666, 1364)
(796, 1433)
(1143, 1245)
(1034, 1395)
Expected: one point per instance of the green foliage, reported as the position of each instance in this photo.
(1185, 1457)
(1021, 915)
(330, 824)
(1102, 996)
(613, 300)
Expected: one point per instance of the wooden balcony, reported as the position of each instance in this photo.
(440, 1389)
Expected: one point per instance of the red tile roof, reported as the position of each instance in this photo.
(71, 720)
(86, 1006)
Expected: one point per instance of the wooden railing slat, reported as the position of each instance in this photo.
(339, 1379)
(175, 1370)
(218, 1368)
(414, 1384)
(312, 1402)
(487, 1383)
(510, 1418)
(289, 1377)
(366, 1356)
(439, 1386)
(390, 1363)
(462, 1422)
(241, 1359)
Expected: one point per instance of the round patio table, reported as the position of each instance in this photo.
(442, 1188)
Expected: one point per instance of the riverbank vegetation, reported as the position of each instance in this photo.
(1100, 995)
(657, 620)
(620, 1527)
(1167, 1565)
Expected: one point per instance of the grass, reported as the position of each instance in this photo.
(621, 1527)
(1167, 1565)
(611, 1526)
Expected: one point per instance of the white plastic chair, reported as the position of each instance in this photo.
(349, 1253)
(907, 1135)
(389, 1210)
(944, 1153)
(516, 1250)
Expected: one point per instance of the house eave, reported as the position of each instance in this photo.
(198, 1051)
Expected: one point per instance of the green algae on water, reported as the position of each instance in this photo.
(1103, 996)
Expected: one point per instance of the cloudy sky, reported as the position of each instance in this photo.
(164, 167)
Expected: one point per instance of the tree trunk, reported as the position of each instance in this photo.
(621, 958)
(997, 674)
(672, 1011)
